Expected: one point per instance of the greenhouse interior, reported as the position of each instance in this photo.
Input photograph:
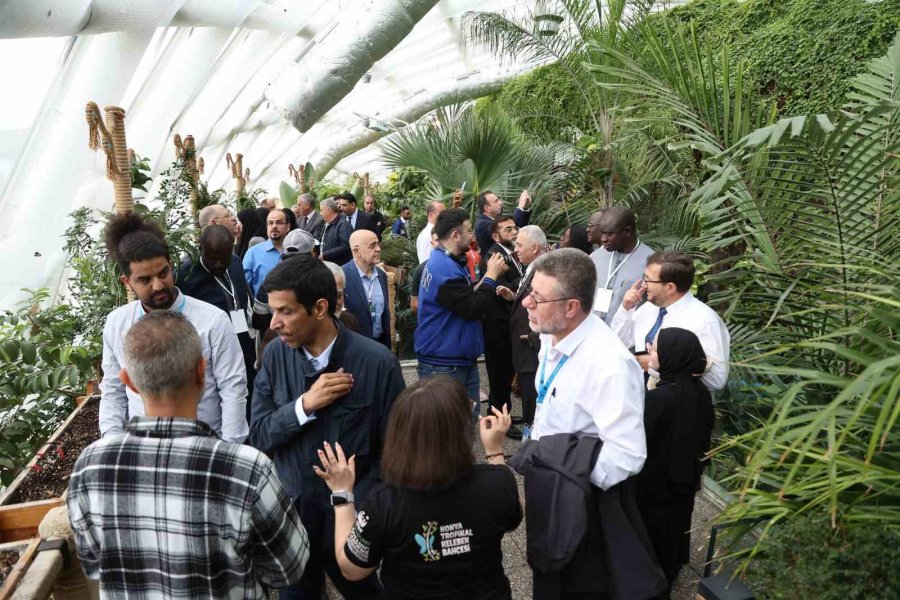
(310, 278)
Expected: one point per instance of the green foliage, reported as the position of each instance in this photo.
(801, 54)
(139, 169)
(808, 559)
(41, 371)
(397, 251)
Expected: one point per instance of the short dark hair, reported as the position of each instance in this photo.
(349, 197)
(575, 274)
(449, 220)
(428, 444)
(217, 236)
(619, 216)
(404, 207)
(307, 277)
(131, 238)
(674, 267)
(495, 226)
(482, 200)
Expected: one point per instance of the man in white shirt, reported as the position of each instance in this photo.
(667, 282)
(423, 241)
(587, 381)
(619, 260)
(141, 250)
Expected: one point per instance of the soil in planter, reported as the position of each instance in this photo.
(49, 477)
(7, 562)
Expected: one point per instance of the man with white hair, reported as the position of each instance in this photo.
(307, 218)
(334, 244)
(216, 214)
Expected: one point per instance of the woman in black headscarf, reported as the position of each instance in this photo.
(252, 225)
(291, 219)
(576, 237)
(678, 420)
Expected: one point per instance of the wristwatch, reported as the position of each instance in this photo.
(341, 498)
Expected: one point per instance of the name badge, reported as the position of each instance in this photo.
(603, 300)
(239, 321)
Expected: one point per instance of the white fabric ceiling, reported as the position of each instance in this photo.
(214, 69)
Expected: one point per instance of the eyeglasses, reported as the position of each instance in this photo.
(509, 229)
(270, 223)
(645, 280)
(529, 293)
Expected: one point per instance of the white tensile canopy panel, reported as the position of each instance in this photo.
(278, 81)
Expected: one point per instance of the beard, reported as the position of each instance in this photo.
(554, 324)
(160, 300)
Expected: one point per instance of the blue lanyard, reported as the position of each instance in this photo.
(545, 386)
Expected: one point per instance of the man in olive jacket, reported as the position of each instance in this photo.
(320, 382)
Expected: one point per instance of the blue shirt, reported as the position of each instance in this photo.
(374, 297)
(258, 261)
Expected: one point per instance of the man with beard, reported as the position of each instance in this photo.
(619, 260)
(490, 206)
(372, 208)
(142, 253)
(497, 342)
(218, 278)
(262, 258)
(320, 382)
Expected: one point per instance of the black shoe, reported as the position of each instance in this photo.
(514, 433)
(517, 420)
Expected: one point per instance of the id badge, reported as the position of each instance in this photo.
(603, 300)
(372, 309)
(239, 320)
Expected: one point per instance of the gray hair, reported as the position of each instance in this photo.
(208, 213)
(305, 199)
(575, 274)
(330, 204)
(432, 207)
(535, 235)
(335, 269)
(161, 353)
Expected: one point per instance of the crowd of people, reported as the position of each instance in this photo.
(257, 431)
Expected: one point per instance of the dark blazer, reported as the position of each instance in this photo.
(524, 352)
(364, 220)
(379, 222)
(499, 309)
(483, 227)
(355, 302)
(335, 241)
(196, 282)
(315, 225)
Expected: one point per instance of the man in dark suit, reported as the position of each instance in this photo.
(358, 219)
(307, 218)
(218, 278)
(530, 243)
(490, 206)
(365, 290)
(372, 208)
(335, 242)
(495, 325)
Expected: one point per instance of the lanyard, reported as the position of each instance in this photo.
(230, 292)
(610, 276)
(545, 386)
(370, 288)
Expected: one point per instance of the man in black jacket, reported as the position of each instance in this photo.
(372, 208)
(497, 347)
(358, 219)
(320, 382)
(335, 242)
(490, 206)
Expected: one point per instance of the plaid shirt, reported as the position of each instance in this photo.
(168, 510)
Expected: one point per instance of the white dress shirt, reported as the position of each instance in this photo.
(599, 392)
(423, 243)
(632, 327)
(223, 405)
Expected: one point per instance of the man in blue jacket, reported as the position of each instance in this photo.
(366, 292)
(449, 340)
(320, 382)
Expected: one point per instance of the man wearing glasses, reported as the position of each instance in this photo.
(366, 292)
(667, 282)
(262, 258)
(619, 260)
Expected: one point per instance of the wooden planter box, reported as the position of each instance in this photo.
(20, 521)
(27, 548)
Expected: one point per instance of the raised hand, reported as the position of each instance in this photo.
(338, 472)
(327, 388)
(634, 294)
(493, 428)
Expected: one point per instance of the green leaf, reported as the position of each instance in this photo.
(29, 352)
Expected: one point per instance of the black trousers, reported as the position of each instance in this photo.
(319, 524)
(498, 362)
(529, 396)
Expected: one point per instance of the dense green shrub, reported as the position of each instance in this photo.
(807, 559)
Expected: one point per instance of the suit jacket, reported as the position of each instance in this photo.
(484, 223)
(379, 222)
(499, 309)
(355, 301)
(524, 352)
(364, 220)
(315, 225)
(335, 242)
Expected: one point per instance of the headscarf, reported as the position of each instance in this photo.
(291, 219)
(681, 362)
(578, 239)
(252, 226)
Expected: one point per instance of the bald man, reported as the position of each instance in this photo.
(366, 294)
(620, 259)
(216, 214)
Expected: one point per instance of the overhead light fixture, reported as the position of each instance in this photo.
(367, 77)
(546, 20)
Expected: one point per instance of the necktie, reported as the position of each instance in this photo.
(653, 330)
(305, 221)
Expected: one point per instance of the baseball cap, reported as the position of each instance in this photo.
(299, 241)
